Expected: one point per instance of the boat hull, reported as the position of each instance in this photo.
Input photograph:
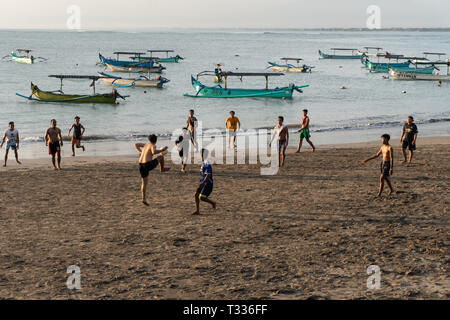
(132, 82)
(384, 67)
(395, 75)
(47, 96)
(123, 63)
(169, 59)
(21, 59)
(135, 69)
(335, 56)
(219, 92)
(284, 68)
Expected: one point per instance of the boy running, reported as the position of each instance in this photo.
(232, 124)
(304, 132)
(410, 133)
(387, 164)
(12, 137)
(191, 124)
(78, 131)
(283, 139)
(182, 145)
(53, 139)
(147, 163)
(206, 183)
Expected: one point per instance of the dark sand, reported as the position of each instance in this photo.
(309, 232)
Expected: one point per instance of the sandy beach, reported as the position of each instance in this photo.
(309, 232)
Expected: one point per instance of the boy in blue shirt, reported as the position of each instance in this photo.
(206, 183)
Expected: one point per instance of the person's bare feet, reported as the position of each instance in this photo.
(298, 151)
(73, 154)
(165, 169)
(214, 206)
(313, 149)
(83, 149)
(145, 202)
(196, 213)
(4, 165)
(18, 162)
(390, 192)
(379, 194)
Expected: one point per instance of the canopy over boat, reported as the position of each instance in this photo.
(292, 59)
(337, 56)
(23, 50)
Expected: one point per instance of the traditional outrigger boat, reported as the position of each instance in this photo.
(24, 56)
(141, 81)
(218, 91)
(336, 56)
(125, 63)
(59, 96)
(136, 69)
(379, 67)
(287, 67)
(398, 75)
(167, 58)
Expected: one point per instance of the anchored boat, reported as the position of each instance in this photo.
(60, 96)
(167, 58)
(337, 56)
(287, 67)
(141, 81)
(203, 91)
(398, 75)
(24, 56)
(136, 69)
(125, 63)
(383, 67)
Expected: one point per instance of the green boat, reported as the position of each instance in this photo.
(218, 91)
(60, 96)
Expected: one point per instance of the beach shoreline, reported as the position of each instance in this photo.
(309, 232)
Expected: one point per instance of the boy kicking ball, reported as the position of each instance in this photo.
(387, 163)
(206, 183)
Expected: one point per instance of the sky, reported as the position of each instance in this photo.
(151, 14)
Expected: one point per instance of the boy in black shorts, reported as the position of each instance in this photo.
(410, 133)
(206, 183)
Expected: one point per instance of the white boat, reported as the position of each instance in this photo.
(154, 69)
(398, 75)
(141, 81)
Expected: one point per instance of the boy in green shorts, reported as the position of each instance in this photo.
(304, 132)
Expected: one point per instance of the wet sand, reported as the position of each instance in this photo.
(309, 232)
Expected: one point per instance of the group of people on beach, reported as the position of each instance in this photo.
(53, 140)
(150, 156)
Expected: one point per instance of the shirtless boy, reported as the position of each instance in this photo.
(304, 132)
(147, 163)
(283, 139)
(191, 124)
(53, 139)
(387, 163)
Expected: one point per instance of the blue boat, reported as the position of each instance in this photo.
(426, 70)
(324, 55)
(124, 63)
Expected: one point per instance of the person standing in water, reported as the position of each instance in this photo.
(304, 132)
(147, 163)
(12, 142)
(78, 131)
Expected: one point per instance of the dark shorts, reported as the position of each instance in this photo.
(180, 153)
(76, 141)
(281, 146)
(408, 144)
(54, 148)
(304, 133)
(145, 168)
(206, 190)
(385, 168)
(11, 146)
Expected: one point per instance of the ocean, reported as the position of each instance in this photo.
(370, 106)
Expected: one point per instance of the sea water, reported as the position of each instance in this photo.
(369, 106)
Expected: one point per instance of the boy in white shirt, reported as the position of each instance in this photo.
(12, 137)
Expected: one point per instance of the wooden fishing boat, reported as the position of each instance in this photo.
(59, 96)
(141, 81)
(397, 75)
(125, 63)
(203, 91)
(287, 67)
(23, 56)
(383, 67)
(336, 56)
(154, 69)
(175, 59)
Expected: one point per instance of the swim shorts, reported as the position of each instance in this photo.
(12, 146)
(54, 148)
(206, 190)
(145, 168)
(408, 144)
(385, 168)
(304, 133)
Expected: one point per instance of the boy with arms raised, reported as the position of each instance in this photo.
(12, 137)
(387, 164)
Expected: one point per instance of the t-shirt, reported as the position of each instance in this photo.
(232, 123)
(12, 136)
(410, 131)
(77, 131)
(206, 169)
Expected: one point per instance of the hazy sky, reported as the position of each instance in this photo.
(146, 14)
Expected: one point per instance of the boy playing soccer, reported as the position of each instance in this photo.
(387, 163)
(206, 183)
(12, 136)
(78, 131)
